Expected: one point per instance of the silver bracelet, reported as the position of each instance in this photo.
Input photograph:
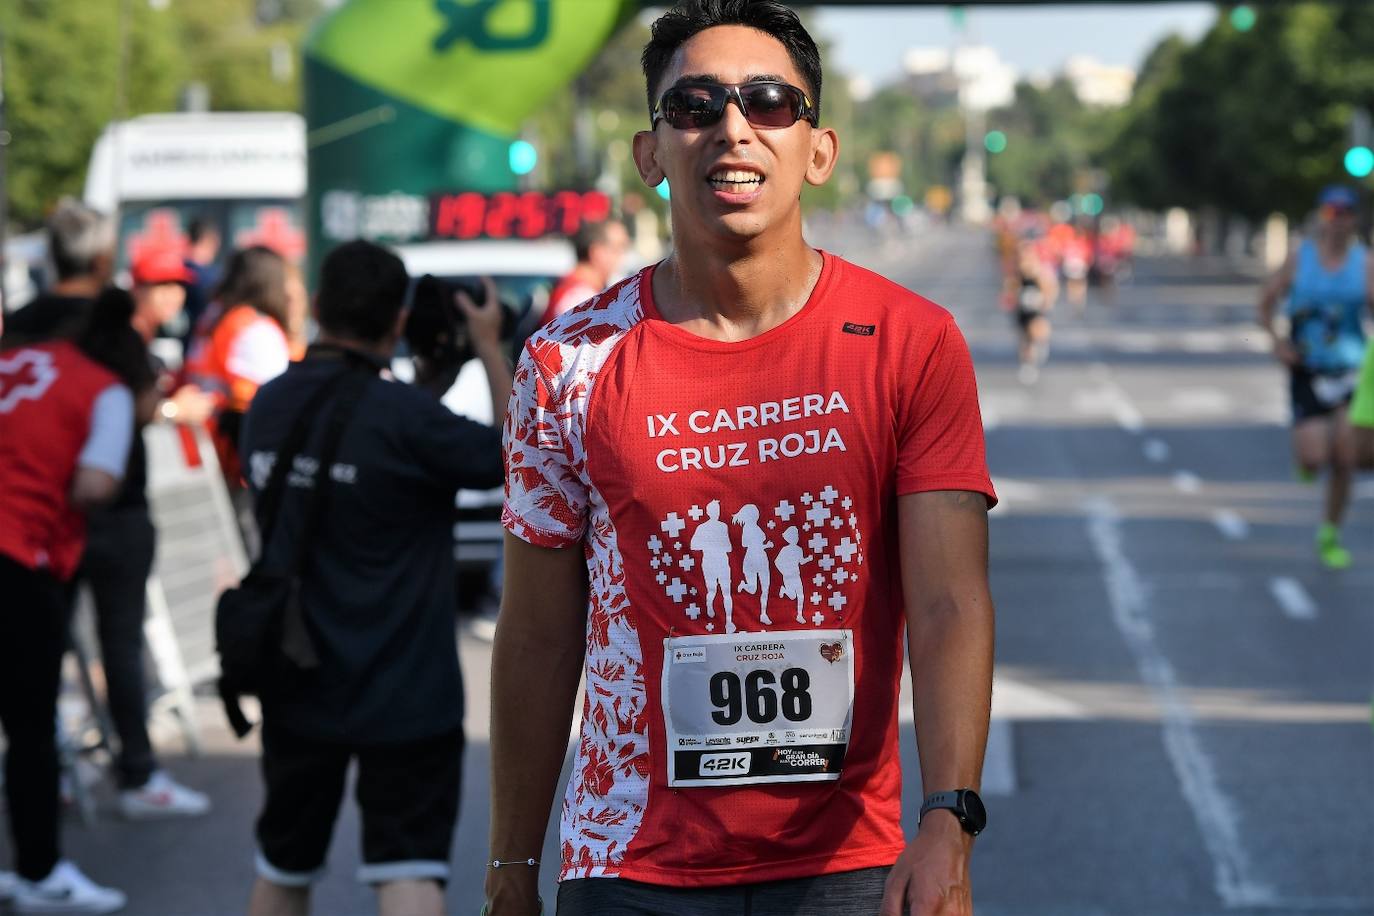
(497, 863)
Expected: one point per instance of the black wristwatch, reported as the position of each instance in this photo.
(965, 804)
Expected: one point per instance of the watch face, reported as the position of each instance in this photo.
(974, 811)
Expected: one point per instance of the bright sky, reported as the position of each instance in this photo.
(871, 41)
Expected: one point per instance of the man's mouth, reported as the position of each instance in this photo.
(735, 180)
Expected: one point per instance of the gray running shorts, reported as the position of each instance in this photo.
(851, 893)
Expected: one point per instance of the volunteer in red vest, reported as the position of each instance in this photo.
(735, 482)
(600, 247)
(242, 343)
(67, 412)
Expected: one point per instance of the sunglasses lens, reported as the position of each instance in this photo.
(692, 107)
(771, 105)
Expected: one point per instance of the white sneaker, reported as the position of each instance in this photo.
(162, 796)
(66, 890)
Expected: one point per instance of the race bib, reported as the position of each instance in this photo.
(757, 708)
(1335, 389)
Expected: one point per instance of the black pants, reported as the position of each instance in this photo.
(33, 637)
(850, 893)
(119, 555)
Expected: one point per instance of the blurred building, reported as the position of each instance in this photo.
(1096, 83)
(973, 77)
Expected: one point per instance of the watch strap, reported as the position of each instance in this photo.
(950, 800)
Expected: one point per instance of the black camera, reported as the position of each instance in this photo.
(436, 329)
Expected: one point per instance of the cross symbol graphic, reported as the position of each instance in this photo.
(661, 578)
(687, 562)
(846, 549)
(817, 543)
(693, 611)
(806, 499)
(655, 544)
(772, 524)
(274, 229)
(161, 229)
(816, 597)
(841, 575)
(836, 522)
(673, 525)
(847, 503)
(676, 591)
(853, 521)
(710, 627)
(818, 513)
(827, 563)
(667, 559)
(656, 562)
(829, 494)
(785, 510)
(818, 618)
(818, 580)
(695, 513)
(837, 601)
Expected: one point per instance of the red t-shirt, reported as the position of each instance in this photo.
(692, 470)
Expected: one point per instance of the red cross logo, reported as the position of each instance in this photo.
(275, 229)
(161, 230)
(25, 376)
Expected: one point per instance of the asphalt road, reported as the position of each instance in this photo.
(1182, 707)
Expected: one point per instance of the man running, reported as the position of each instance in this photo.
(756, 771)
(1329, 287)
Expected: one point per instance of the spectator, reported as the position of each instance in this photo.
(81, 247)
(202, 253)
(241, 344)
(378, 596)
(600, 247)
(66, 421)
(119, 557)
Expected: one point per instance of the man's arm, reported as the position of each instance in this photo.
(1275, 288)
(536, 663)
(944, 554)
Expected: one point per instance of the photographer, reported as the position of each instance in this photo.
(377, 595)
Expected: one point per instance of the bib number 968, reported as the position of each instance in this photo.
(759, 696)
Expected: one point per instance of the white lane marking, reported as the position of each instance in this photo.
(1013, 492)
(1156, 450)
(1293, 598)
(999, 760)
(1200, 401)
(1230, 524)
(1216, 813)
(1017, 700)
(1187, 482)
(1205, 342)
(1364, 489)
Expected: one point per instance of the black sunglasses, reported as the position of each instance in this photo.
(765, 104)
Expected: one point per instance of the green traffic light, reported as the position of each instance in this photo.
(1359, 161)
(995, 141)
(1243, 18)
(1091, 204)
(523, 157)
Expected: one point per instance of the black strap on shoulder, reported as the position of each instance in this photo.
(296, 642)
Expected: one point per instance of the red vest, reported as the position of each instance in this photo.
(47, 392)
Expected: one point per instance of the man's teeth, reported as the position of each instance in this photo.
(736, 178)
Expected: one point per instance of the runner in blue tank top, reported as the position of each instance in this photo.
(1328, 288)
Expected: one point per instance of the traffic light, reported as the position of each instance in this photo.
(1359, 161)
(1243, 18)
(523, 157)
(995, 141)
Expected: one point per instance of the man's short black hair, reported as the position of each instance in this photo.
(589, 234)
(688, 17)
(362, 290)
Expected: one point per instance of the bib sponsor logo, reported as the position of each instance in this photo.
(717, 742)
(800, 758)
(725, 764)
(832, 652)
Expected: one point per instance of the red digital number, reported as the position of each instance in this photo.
(501, 214)
(460, 216)
(533, 220)
(568, 206)
(595, 207)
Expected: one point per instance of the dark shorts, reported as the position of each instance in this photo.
(1319, 394)
(408, 793)
(1025, 316)
(850, 893)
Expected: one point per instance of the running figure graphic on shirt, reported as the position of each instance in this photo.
(757, 575)
(712, 541)
(789, 563)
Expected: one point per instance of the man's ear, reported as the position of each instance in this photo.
(645, 149)
(825, 152)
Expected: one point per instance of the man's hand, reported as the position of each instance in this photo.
(190, 405)
(931, 877)
(484, 319)
(1286, 353)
